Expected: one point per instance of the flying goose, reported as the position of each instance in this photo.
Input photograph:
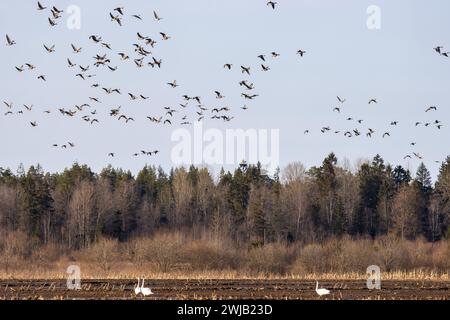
(272, 4)
(157, 17)
(119, 10)
(301, 53)
(341, 100)
(265, 68)
(219, 95)
(9, 41)
(164, 36)
(173, 84)
(50, 49)
(116, 18)
(75, 49)
(52, 22)
(40, 6)
(245, 70)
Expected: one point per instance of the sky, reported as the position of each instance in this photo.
(395, 64)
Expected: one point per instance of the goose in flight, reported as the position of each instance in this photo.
(8, 105)
(33, 124)
(28, 107)
(262, 57)
(50, 49)
(173, 84)
(265, 68)
(228, 66)
(9, 41)
(30, 66)
(272, 4)
(157, 62)
(321, 291)
(407, 157)
(119, 10)
(438, 49)
(386, 134)
(95, 38)
(40, 6)
(418, 156)
(106, 45)
(341, 100)
(75, 49)
(123, 56)
(116, 18)
(301, 53)
(164, 36)
(248, 86)
(219, 95)
(52, 22)
(157, 17)
(274, 54)
(245, 70)
(373, 101)
(137, 16)
(71, 65)
(20, 69)
(431, 108)
(249, 97)
(56, 10)
(111, 155)
(42, 77)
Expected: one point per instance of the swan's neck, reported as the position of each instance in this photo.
(142, 283)
(317, 285)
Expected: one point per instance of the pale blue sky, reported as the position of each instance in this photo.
(396, 65)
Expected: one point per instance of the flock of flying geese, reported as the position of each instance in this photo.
(371, 132)
(144, 58)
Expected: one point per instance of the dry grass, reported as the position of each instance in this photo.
(175, 256)
(124, 271)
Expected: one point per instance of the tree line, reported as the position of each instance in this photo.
(77, 207)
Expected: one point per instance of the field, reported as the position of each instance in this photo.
(227, 289)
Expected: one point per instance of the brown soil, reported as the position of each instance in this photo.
(224, 289)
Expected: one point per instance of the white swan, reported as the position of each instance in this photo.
(137, 289)
(322, 291)
(145, 291)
